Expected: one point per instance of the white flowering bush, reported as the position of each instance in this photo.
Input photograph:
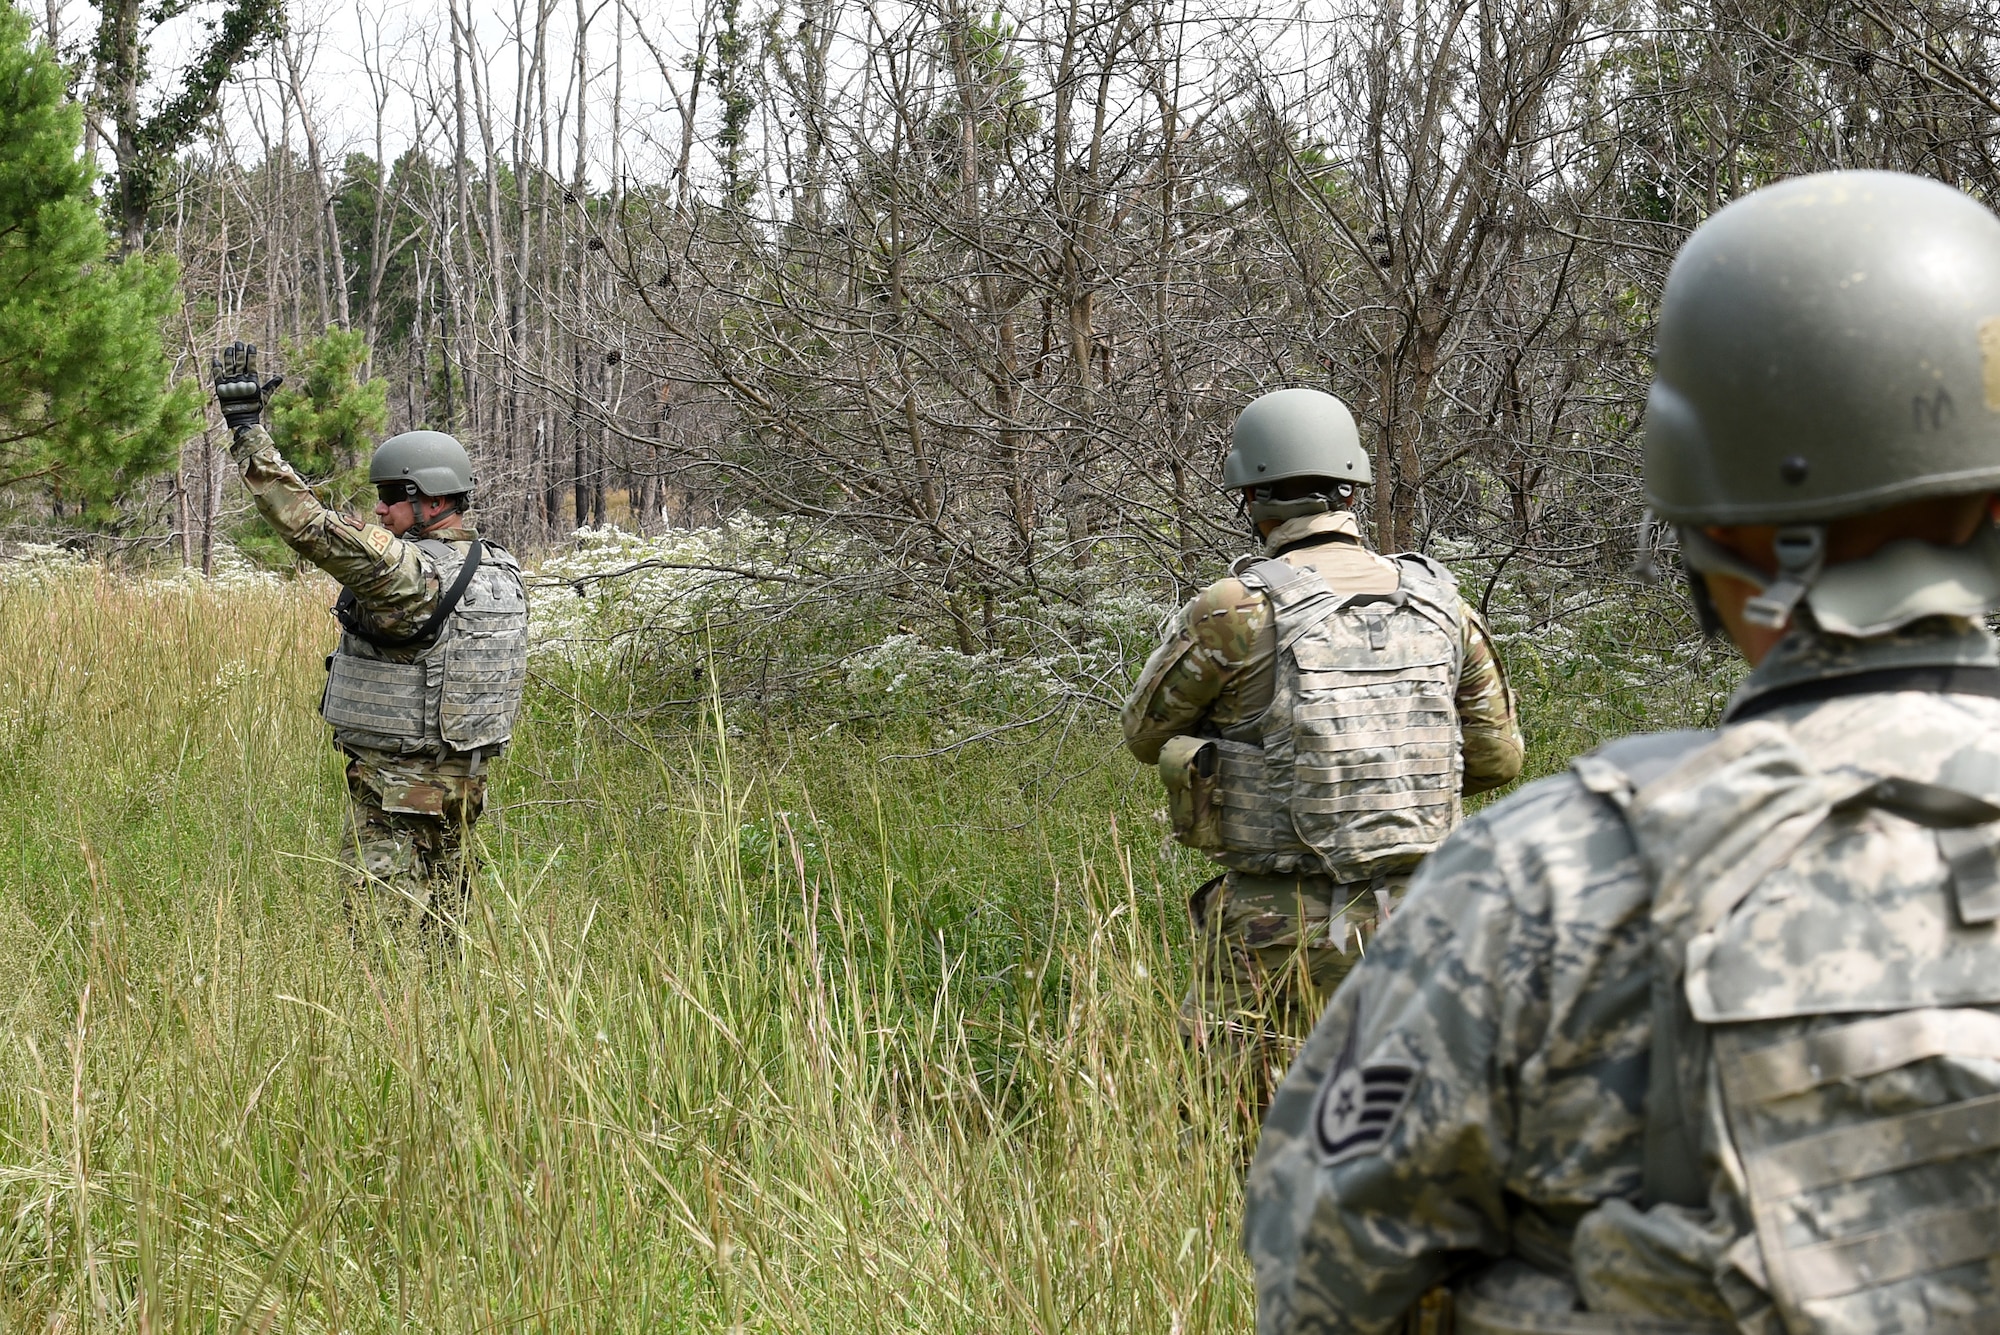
(820, 618)
(610, 592)
(38, 563)
(903, 674)
(231, 570)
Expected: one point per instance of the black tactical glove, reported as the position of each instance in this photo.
(236, 389)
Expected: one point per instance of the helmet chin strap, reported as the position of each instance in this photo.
(1801, 552)
(423, 527)
(1340, 497)
(1905, 581)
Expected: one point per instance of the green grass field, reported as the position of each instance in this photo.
(752, 1031)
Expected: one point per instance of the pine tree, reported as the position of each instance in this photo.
(86, 405)
(329, 412)
(324, 421)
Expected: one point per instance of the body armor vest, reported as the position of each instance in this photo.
(1826, 1045)
(1354, 768)
(456, 692)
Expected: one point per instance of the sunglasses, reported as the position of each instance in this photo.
(392, 493)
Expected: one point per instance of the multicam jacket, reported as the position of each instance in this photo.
(1218, 674)
(1472, 1109)
(396, 587)
(397, 584)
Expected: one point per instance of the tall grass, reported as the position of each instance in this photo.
(746, 1035)
(751, 1031)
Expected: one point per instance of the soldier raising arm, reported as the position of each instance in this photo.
(387, 575)
(424, 686)
(1701, 1036)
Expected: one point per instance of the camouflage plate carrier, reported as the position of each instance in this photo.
(1826, 1023)
(1354, 768)
(455, 693)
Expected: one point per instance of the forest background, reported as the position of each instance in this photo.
(972, 292)
(855, 377)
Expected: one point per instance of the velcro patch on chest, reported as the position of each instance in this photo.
(1358, 1108)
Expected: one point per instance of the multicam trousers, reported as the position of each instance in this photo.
(1269, 952)
(409, 864)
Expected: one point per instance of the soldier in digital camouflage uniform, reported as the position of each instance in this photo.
(1320, 776)
(423, 689)
(1704, 1034)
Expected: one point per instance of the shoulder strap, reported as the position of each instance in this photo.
(1431, 579)
(347, 608)
(1289, 588)
(1650, 779)
(1436, 569)
(1944, 680)
(1268, 572)
(1430, 587)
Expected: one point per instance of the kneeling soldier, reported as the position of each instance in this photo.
(433, 655)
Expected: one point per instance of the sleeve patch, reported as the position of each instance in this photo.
(1358, 1108)
(379, 539)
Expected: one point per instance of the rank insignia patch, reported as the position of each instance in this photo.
(1358, 1107)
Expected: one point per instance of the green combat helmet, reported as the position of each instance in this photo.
(1294, 433)
(436, 464)
(1830, 346)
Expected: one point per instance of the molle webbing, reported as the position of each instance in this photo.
(486, 672)
(1359, 765)
(1828, 984)
(1250, 820)
(376, 701)
(1883, 1198)
(454, 686)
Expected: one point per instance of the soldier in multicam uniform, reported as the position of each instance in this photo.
(423, 689)
(1316, 717)
(1704, 1035)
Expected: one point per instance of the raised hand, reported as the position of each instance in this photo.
(237, 390)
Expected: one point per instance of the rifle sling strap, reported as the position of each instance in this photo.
(347, 608)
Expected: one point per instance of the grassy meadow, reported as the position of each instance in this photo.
(756, 1028)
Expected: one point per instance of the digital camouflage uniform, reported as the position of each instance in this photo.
(404, 840)
(1271, 948)
(1472, 1108)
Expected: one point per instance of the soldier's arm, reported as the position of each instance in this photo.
(1488, 714)
(1349, 1216)
(1211, 641)
(388, 579)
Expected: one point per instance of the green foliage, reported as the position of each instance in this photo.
(1002, 106)
(324, 420)
(86, 404)
(150, 139)
(731, 76)
(360, 194)
(329, 412)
